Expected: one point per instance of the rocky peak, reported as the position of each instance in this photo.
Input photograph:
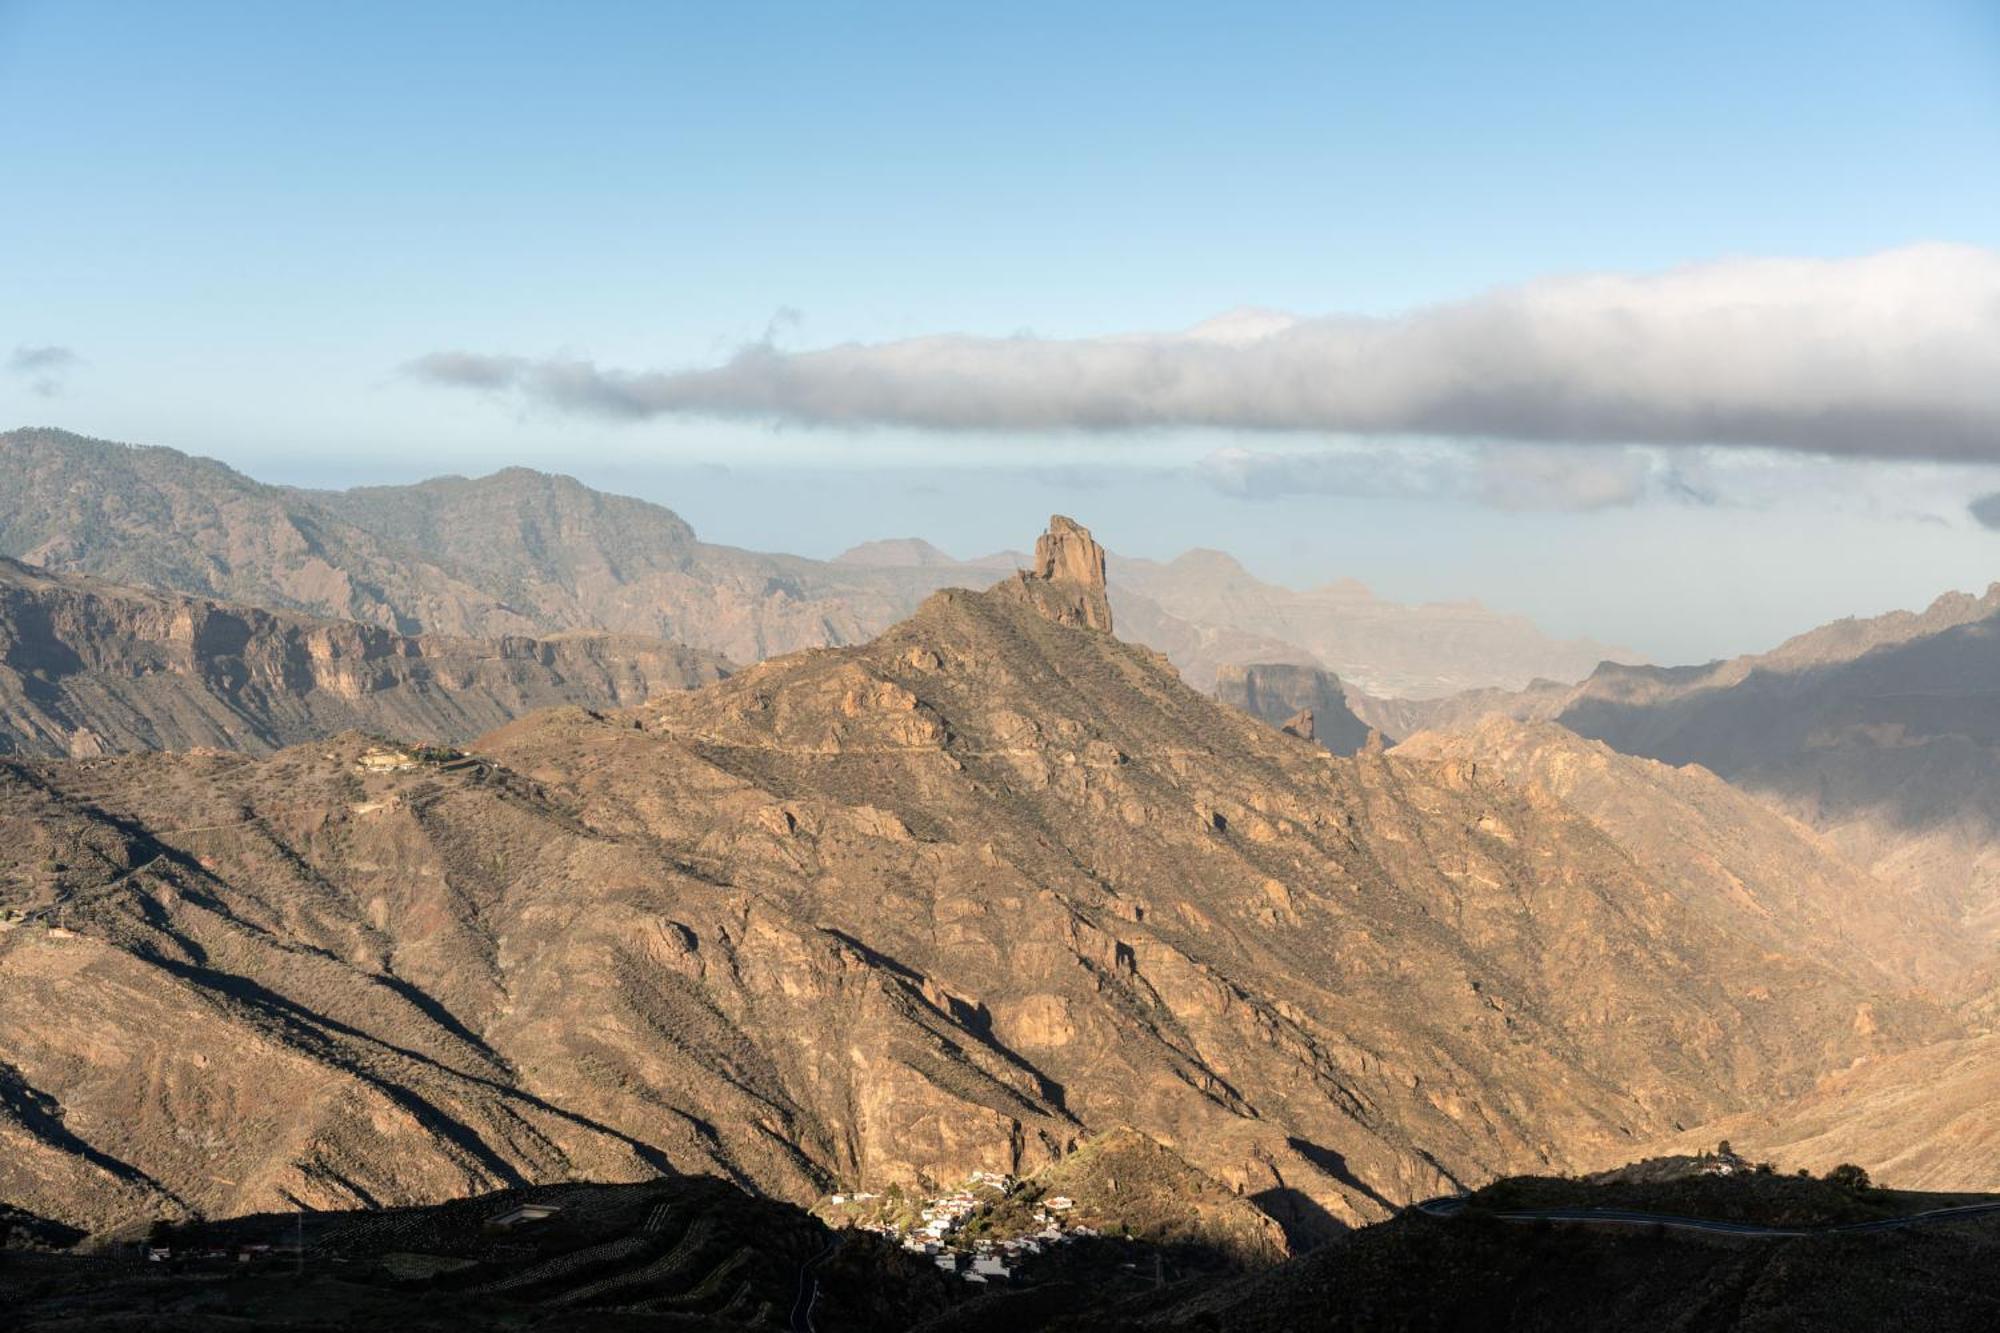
(1067, 553)
(1067, 583)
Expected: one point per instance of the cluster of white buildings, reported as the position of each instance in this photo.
(942, 1219)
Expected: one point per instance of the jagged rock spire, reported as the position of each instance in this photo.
(1067, 553)
(1067, 583)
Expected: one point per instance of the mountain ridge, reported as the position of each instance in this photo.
(89, 667)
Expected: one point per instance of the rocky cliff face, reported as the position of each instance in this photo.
(949, 901)
(90, 668)
(1280, 692)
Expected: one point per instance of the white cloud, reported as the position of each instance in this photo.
(1895, 354)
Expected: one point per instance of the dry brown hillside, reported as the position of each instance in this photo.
(1882, 734)
(950, 900)
(1727, 853)
(1922, 1119)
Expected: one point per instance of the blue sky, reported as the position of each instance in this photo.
(245, 219)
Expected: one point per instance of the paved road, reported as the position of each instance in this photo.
(1452, 1205)
(808, 1297)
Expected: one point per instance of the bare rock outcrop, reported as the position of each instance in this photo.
(1067, 583)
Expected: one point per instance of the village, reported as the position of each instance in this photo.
(981, 1232)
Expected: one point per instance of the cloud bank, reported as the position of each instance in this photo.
(1895, 354)
(1518, 477)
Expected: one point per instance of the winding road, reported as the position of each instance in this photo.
(808, 1297)
(1454, 1205)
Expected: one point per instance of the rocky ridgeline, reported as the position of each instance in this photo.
(88, 667)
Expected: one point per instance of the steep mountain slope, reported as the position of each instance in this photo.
(88, 668)
(1882, 734)
(1727, 853)
(948, 901)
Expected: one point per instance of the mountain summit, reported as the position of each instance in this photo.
(1067, 584)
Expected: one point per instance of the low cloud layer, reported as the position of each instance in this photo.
(1510, 476)
(43, 366)
(1581, 479)
(1891, 355)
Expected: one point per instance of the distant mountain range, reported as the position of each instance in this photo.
(525, 553)
(1384, 648)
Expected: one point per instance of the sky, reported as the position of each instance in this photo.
(1678, 326)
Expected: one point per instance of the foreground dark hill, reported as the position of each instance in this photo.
(1649, 1247)
(88, 667)
(1477, 1271)
(685, 1253)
